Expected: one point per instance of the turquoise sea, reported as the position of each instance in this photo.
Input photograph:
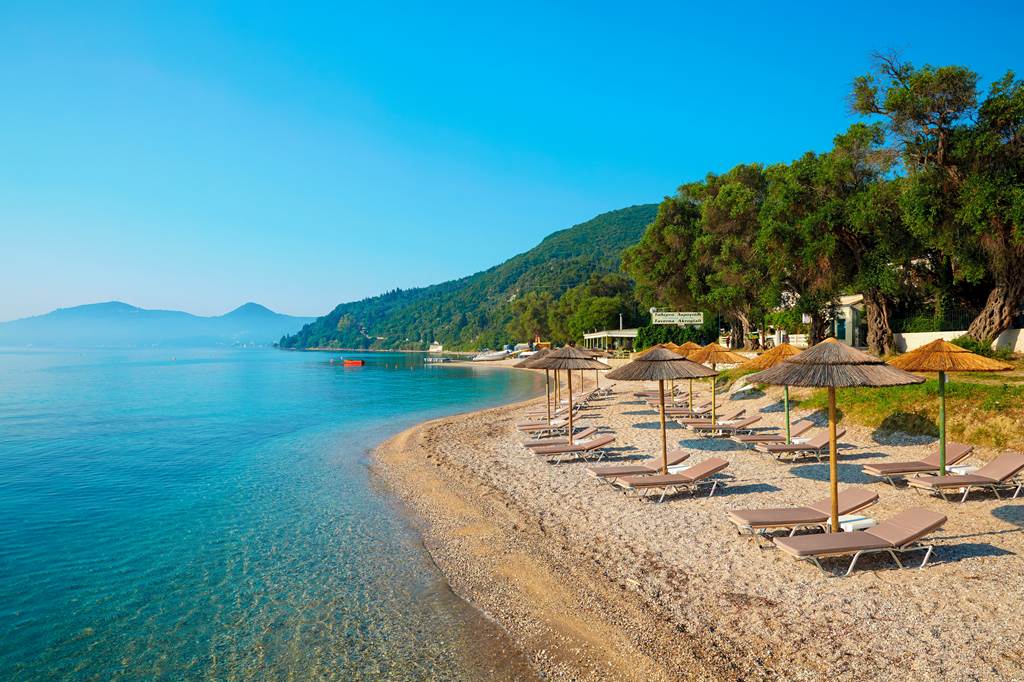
(209, 514)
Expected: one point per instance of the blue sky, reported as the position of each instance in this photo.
(199, 156)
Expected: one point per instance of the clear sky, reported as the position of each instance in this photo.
(199, 156)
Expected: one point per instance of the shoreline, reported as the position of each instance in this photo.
(589, 584)
(561, 613)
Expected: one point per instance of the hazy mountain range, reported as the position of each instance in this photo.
(117, 324)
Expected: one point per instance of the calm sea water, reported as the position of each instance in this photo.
(210, 515)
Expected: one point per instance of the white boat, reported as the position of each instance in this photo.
(491, 355)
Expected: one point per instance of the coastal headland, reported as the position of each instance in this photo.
(593, 585)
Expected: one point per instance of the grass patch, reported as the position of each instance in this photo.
(727, 377)
(979, 413)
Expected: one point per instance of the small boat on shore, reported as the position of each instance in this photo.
(435, 360)
(353, 363)
(491, 355)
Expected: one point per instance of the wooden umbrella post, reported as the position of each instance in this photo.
(713, 398)
(785, 400)
(833, 458)
(664, 441)
(547, 392)
(942, 423)
(569, 372)
(558, 391)
(690, 406)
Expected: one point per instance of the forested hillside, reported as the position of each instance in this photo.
(483, 310)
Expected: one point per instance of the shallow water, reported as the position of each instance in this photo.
(210, 515)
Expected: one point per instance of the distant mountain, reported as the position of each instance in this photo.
(474, 311)
(117, 324)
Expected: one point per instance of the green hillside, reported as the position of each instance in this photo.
(475, 311)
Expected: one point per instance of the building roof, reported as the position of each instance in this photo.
(612, 333)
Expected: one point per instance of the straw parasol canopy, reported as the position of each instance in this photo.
(769, 359)
(942, 356)
(528, 364)
(568, 358)
(831, 364)
(661, 364)
(688, 348)
(714, 354)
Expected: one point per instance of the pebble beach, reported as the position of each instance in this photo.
(592, 584)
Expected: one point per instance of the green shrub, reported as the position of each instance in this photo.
(980, 348)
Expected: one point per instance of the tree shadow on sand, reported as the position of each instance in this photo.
(749, 394)
(635, 413)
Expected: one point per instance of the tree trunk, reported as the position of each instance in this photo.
(735, 334)
(745, 326)
(817, 328)
(880, 338)
(1001, 307)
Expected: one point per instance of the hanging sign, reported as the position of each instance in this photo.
(676, 317)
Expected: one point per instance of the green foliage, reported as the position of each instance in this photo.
(653, 334)
(981, 348)
(481, 310)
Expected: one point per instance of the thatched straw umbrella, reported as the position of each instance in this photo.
(568, 358)
(658, 365)
(776, 356)
(941, 356)
(528, 364)
(831, 364)
(714, 354)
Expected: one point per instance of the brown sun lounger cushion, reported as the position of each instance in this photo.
(1001, 469)
(706, 421)
(816, 442)
(675, 457)
(955, 452)
(895, 532)
(708, 467)
(577, 446)
(850, 500)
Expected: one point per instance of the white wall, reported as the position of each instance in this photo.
(1011, 339)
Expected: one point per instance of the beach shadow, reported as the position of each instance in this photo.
(710, 444)
(634, 402)
(947, 554)
(747, 394)
(634, 413)
(820, 418)
(895, 428)
(863, 455)
(745, 488)
(848, 473)
(1010, 513)
(773, 408)
(669, 425)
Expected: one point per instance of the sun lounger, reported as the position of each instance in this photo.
(689, 480)
(955, 452)
(682, 411)
(1002, 472)
(612, 471)
(815, 446)
(556, 426)
(578, 449)
(752, 439)
(899, 534)
(542, 442)
(726, 429)
(758, 522)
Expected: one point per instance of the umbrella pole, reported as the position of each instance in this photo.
(942, 423)
(558, 384)
(569, 372)
(833, 459)
(691, 397)
(664, 442)
(785, 399)
(597, 380)
(547, 392)
(713, 400)
(672, 389)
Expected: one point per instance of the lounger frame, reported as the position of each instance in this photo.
(913, 546)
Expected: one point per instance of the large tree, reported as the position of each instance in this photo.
(964, 161)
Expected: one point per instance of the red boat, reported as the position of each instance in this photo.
(353, 363)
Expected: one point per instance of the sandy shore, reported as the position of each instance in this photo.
(591, 584)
